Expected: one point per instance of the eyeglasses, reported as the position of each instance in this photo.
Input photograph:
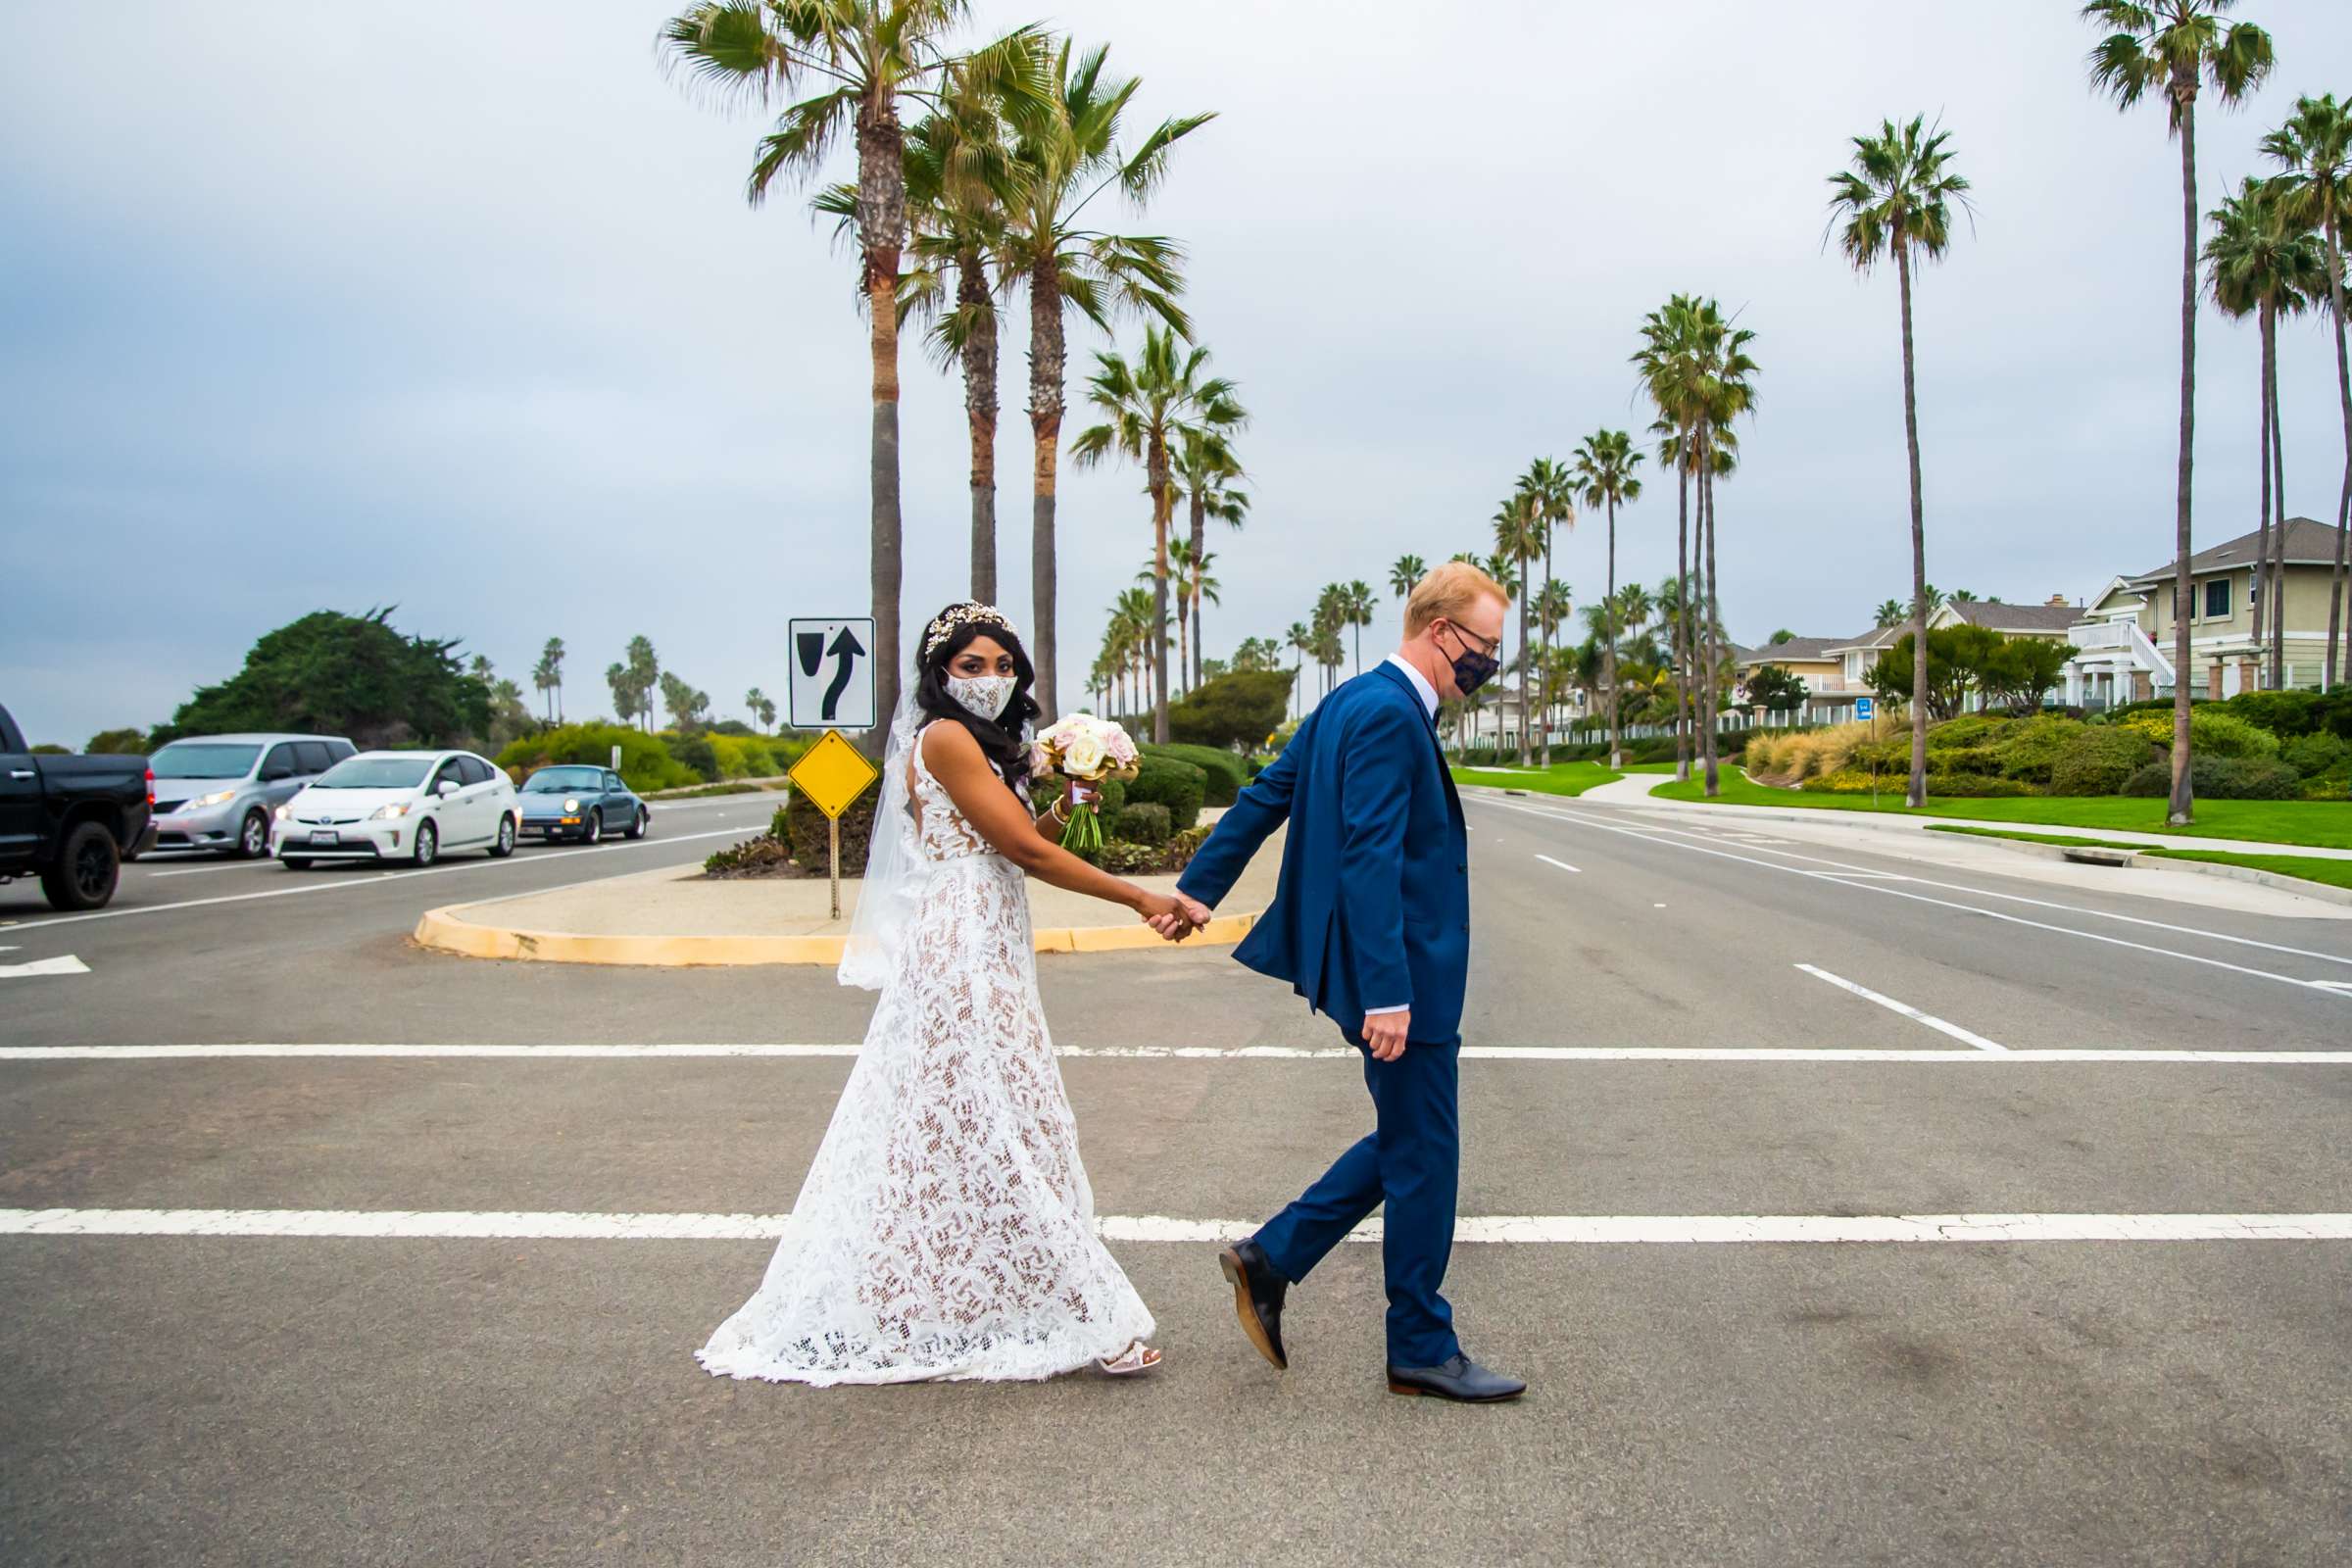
(1490, 646)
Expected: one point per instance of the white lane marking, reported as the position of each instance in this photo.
(1903, 1007)
(1850, 872)
(69, 965)
(200, 871)
(1990, 914)
(1941, 1056)
(1605, 1230)
(1562, 864)
(330, 884)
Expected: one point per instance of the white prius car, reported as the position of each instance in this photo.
(412, 806)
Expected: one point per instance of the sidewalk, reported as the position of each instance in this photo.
(676, 917)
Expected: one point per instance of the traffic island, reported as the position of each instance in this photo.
(677, 918)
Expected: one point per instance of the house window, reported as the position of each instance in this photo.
(2217, 599)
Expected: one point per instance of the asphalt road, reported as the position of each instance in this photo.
(1669, 1034)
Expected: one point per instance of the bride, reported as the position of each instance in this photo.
(946, 1229)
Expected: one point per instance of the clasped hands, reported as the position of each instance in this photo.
(1176, 917)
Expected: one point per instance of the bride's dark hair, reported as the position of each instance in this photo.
(1000, 740)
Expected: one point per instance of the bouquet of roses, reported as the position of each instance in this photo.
(1088, 750)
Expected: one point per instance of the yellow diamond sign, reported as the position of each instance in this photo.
(832, 775)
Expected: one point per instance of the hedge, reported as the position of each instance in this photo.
(2099, 759)
(2219, 778)
(645, 763)
(1177, 785)
(1225, 770)
(1144, 822)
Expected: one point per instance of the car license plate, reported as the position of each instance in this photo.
(323, 841)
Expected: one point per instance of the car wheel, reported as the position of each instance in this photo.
(427, 848)
(506, 837)
(294, 862)
(87, 866)
(594, 832)
(253, 837)
(638, 826)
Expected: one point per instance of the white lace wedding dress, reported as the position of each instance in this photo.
(946, 1229)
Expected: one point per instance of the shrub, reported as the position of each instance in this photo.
(743, 756)
(2220, 778)
(1808, 753)
(1847, 782)
(1970, 729)
(2286, 715)
(695, 751)
(1978, 786)
(2099, 759)
(645, 763)
(2031, 749)
(2211, 733)
(1144, 822)
(1226, 775)
(804, 825)
(2313, 755)
(1241, 708)
(1177, 785)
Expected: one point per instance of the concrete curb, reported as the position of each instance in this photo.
(2325, 893)
(449, 930)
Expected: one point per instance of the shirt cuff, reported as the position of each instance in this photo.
(1374, 1013)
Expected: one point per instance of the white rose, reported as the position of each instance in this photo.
(1081, 757)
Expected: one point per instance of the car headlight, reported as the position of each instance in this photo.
(286, 813)
(572, 805)
(385, 814)
(216, 798)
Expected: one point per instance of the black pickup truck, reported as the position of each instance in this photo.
(70, 820)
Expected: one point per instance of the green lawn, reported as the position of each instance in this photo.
(2324, 824)
(2305, 867)
(2033, 838)
(1562, 778)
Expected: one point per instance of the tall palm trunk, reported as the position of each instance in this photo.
(1200, 520)
(1682, 616)
(2343, 505)
(1047, 354)
(1163, 505)
(1609, 620)
(2277, 458)
(882, 228)
(2183, 808)
(1706, 529)
(1544, 729)
(1915, 794)
(1526, 685)
(980, 414)
(2261, 461)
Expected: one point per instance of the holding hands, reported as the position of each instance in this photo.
(1174, 916)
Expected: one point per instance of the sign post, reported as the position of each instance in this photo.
(833, 775)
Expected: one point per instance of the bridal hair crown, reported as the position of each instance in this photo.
(957, 615)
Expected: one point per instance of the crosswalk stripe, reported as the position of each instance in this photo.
(1605, 1230)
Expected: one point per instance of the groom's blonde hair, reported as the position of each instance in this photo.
(1446, 593)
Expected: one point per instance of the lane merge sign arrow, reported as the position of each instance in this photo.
(833, 672)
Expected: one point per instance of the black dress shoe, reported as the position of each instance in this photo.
(1456, 1378)
(1257, 1292)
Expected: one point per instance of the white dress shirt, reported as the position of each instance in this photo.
(1429, 706)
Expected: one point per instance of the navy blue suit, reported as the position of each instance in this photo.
(1372, 911)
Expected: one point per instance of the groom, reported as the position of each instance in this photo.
(1371, 924)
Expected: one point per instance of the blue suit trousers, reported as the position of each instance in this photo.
(1411, 1163)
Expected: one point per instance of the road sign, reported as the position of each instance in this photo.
(833, 673)
(1862, 707)
(832, 775)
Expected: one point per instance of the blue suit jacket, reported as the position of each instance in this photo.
(1373, 907)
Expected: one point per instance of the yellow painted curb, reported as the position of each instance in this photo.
(447, 930)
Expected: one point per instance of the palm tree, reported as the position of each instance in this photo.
(2172, 47)
(1669, 372)
(1131, 635)
(1190, 582)
(1149, 405)
(2258, 262)
(1356, 607)
(1206, 472)
(871, 54)
(1404, 572)
(1963, 596)
(1518, 539)
(1301, 640)
(1605, 462)
(1552, 488)
(1896, 201)
(1891, 613)
(2314, 150)
(1063, 158)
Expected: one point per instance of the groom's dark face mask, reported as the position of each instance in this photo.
(1474, 661)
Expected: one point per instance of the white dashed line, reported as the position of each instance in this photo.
(1903, 1007)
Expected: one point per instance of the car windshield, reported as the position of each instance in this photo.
(558, 780)
(376, 773)
(203, 759)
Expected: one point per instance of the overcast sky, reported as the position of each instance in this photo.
(460, 308)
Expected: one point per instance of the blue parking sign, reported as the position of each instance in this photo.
(1862, 707)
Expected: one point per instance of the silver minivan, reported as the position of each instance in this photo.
(218, 792)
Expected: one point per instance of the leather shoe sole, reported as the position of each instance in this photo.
(1395, 1387)
(1246, 1309)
